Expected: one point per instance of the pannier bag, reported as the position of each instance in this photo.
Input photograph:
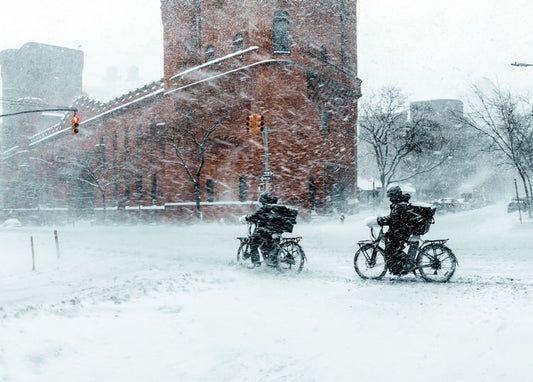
(420, 219)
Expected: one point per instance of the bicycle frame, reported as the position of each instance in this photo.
(251, 229)
(412, 250)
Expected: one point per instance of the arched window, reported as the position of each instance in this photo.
(209, 53)
(238, 42)
(281, 32)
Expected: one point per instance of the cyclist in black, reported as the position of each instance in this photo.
(399, 231)
(265, 227)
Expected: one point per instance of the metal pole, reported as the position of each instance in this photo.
(267, 171)
(518, 201)
(57, 243)
(32, 255)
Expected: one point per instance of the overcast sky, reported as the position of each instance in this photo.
(429, 48)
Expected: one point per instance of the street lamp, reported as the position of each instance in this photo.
(520, 64)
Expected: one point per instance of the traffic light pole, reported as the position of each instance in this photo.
(267, 174)
(40, 111)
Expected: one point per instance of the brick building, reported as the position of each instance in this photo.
(182, 141)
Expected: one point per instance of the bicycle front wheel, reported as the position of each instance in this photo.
(369, 262)
(436, 262)
(243, 254)
(291, 257)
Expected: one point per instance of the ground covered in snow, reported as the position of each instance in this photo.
(168, 303)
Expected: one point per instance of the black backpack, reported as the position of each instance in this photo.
(420, 219)
(282, 218)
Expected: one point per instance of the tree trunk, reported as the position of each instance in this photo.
(197, 198)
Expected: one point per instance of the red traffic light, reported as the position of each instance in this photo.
(75, 123)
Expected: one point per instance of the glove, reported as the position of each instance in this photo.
(242, 219)
(380, 220)
(371, 221)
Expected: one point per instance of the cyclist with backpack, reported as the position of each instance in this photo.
(399, 231)
(262, 218)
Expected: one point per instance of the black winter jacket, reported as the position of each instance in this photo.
(398, 217)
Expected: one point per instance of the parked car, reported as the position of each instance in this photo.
(446, 205)
(516, 204)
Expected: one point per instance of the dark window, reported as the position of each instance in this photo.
(281, 32)
(209, 53)
(127, 189)
(126, 142)
(325, 118)
(100, 149)
(323, 53)
(238, 42)
(243, 189)
(210, 186)
(139, 186)
(115, 141)
(139, 136)
(312, 195)
(115, 190)
(153, 194)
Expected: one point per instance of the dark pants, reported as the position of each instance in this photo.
(259, 239)
(396, 259)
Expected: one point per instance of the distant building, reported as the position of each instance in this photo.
(33, 76)
(293, 63)
(439, 110)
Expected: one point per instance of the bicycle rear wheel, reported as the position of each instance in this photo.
(436, 263)
(370, 263)
(291, 257)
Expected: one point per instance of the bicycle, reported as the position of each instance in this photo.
(432, 259)
(285, 253)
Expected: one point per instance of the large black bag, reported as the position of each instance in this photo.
(282, 218)
(420, 219)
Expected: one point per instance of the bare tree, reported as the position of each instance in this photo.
(94, 170)
(401, 148)
(189, 141)
(507, 121)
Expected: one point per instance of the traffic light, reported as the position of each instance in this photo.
(259, 122)
(75, 123)
(255, 123)
(250, 122)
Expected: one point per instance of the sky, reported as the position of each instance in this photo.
(430, 49)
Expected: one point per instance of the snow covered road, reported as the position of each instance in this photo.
(168, 303)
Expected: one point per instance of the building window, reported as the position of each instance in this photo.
(115, 141)
(281, 32)
(238, 42)
(115, 190)
(323, 53)
(153, 194)
(325, 118)
(139, 137)
(210, 53)
(243, 189)
(210, 187)
(126, 143)
(100, 149)
(127, 189)
(139, 187)
(312, 195)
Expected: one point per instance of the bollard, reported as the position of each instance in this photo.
(57, 243)
(32, 254)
